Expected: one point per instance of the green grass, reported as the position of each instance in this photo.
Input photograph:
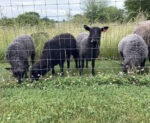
(100, 68)
(110, 96)
(95, 103)
(109, 40)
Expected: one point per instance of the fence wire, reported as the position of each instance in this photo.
(59, 17)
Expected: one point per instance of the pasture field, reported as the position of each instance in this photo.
(109, 96)
(109, 40)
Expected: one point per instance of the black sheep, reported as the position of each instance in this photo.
(52, 54)
(68, 42)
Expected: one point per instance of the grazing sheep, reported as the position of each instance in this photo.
(17, 55)
(52, 55)
(28, 44)
(134, 51)
(88, 45)
(143, 29)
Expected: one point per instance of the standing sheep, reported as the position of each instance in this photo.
(134, 51)
(17, 55)
(88, 45)
(68, 42)
(143, 29)
(52, 55)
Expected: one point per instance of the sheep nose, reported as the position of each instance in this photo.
(94, 40)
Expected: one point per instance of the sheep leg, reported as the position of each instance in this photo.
(82, 66)
(149, 58)
(76, 59)
(124, 69)
(53, 71)
(143, 64)
(79, 63)
(32, 58)
(86, 63)
(93, 65)
(76, 62)
(19, 78)
(26, 76)
(149, 53)
(68, 61)
(61, 68)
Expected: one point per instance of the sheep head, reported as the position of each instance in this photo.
(95, 33)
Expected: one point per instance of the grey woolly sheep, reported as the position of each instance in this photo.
(82, 36)
(17, 55)
(28, 44)
(134, 51)
(143, 29)
(88, 45)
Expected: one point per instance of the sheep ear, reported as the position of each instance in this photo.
(9, 69)
(87, 27)
(104, 29)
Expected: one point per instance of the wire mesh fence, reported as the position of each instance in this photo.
(46, 20)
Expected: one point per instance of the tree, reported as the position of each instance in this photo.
(46, 19)
(33, 14)
(114, 14)
(48, 22)
(30, 18)
(133, 7)
(98, 11)
(79, 19)
(7, 21)
(93, 9)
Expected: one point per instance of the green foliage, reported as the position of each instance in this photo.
(79, 19)
(133, 7)
(109, 42)
(109, 96)
(47, 22)
(104, 98)
(39, 39)
(93, 9)
(7, 21)
(97, 11)
(29, 18)
(114, 14)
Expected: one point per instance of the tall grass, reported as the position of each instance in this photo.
(109, 40)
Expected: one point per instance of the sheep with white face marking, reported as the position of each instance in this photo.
(88, 45)
(17, 55)
(143, 29)
(134, 51)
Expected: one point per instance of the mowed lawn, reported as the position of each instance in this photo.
(110, 96)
